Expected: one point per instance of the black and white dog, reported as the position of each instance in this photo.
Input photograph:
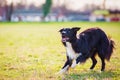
(89, 43)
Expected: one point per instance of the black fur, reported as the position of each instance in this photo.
(89, 42)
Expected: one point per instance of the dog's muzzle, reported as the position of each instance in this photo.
(65, 38)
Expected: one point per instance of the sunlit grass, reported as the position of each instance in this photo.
(33, 51)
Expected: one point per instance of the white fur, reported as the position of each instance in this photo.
(74, 64)
(72, 55)
(70, 52)
(63, 70)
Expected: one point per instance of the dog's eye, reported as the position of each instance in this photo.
(68, 31)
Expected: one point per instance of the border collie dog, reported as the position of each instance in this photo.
(89, 43)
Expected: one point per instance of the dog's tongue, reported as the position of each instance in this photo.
(64, 39)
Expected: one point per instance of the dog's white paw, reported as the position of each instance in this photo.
(101, 71)
(61, 71)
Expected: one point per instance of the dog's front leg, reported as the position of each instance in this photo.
(74, 64)
(78, 60)
(66, 66)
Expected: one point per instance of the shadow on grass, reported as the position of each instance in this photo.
(92, 75)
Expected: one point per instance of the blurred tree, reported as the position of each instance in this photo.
(9, 11)
(46, 8)
(104, 4)
(3, 3)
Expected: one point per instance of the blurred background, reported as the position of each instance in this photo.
(59, 10)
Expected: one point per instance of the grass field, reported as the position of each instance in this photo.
(33, 51)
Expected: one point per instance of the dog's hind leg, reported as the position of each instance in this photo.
(103, 63)
(94, 61)
(102, 60)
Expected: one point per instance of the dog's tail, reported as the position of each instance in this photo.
(110, 49)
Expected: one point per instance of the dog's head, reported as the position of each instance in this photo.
(68, 34)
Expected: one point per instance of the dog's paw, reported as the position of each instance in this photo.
(91, 69)
(62, 71)
(101, 71)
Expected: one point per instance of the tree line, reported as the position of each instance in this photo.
(46, 7)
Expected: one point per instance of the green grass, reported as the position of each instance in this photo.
(33, 51)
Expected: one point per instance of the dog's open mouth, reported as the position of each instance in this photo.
(65, 38)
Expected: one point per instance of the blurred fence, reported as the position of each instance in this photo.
(30, 16)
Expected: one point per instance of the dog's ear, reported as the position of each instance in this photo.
(60, 30)
(76, 28)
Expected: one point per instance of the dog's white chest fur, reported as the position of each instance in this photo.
(70, 52)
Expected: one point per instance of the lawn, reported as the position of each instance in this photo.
(33, 51)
